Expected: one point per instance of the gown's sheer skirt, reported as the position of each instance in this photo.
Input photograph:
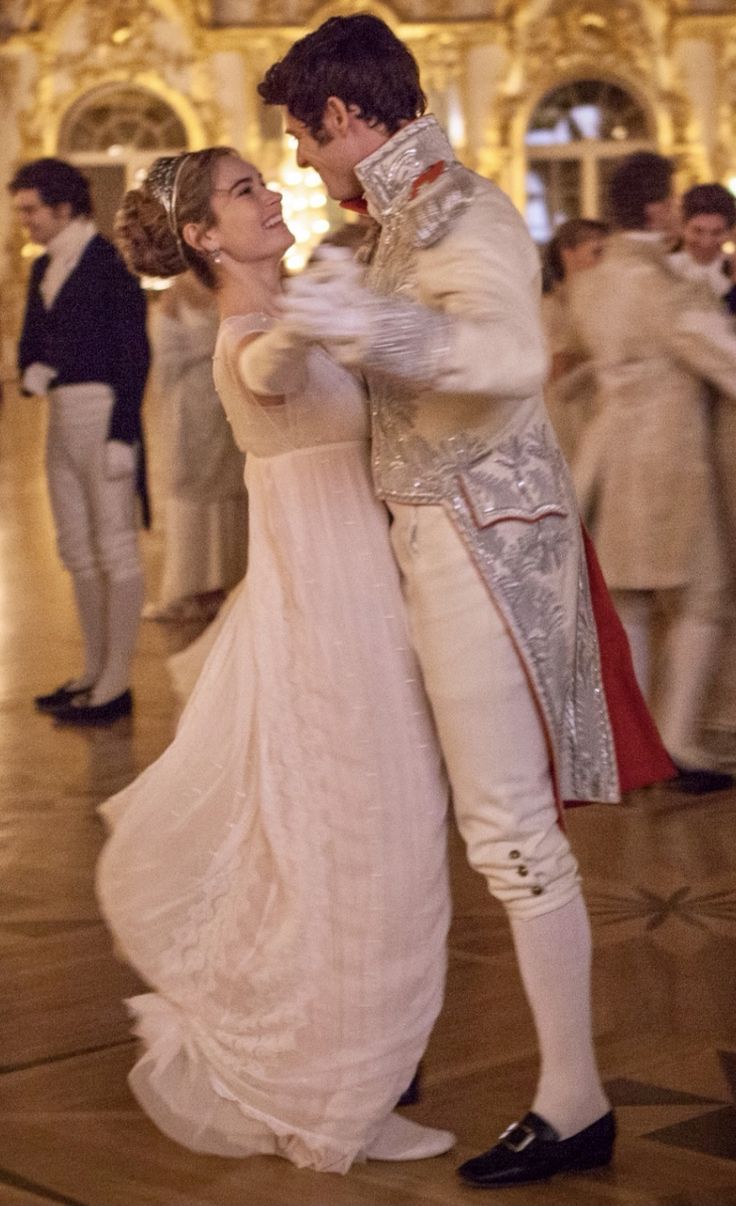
(278, 876)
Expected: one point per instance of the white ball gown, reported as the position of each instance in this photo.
(278, 876)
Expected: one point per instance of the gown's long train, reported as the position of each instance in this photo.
(278, 876)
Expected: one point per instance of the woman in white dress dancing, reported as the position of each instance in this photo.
(278, 876)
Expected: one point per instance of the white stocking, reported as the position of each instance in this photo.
(635, 612)
(554, 954)
(690, 648)
(89, 593)
(124, 602)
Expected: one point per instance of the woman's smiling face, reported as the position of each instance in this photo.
(248, 222)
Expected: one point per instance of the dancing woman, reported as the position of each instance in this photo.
(278, 876)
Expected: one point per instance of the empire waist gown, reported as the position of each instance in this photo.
(278, 877)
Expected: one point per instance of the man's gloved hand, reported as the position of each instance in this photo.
(331, 264)
(328, 303)
(120, 459)
(37, 378)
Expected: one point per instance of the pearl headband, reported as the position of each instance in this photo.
(163, 183)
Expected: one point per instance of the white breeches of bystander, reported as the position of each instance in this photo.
(95, 518)
(94, 514)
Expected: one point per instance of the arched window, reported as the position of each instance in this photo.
(126, 117)
(576, 135)
(113, 134)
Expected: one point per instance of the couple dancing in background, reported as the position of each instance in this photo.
(278, 877)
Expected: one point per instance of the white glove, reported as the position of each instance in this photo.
(329, 304)
(37, 378)
(274, 363)
(120, 459)
(333, 263)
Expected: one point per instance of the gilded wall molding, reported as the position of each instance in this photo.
(628, 43)
(544, 43)
(119, 43)
(726, 150)
(591, 31)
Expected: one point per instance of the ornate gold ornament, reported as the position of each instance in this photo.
(88, 47)
(612, 36)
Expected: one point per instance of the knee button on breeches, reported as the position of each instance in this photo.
(522, 870)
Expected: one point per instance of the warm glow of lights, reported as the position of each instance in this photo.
(303, 203)
(455, 121)
(115, 150)
(593, 20)
(31, 251)
(295, 261)
(731, 184)
(728, 247)
(122, 35)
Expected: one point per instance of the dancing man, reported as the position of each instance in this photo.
(485, 530)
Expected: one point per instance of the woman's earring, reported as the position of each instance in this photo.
(215, 255)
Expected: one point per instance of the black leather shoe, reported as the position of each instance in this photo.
(413, 1091)
(697, 781)
(59, 698)
(79, 712)
(531, 1150)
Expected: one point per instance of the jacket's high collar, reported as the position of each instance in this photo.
(388, 174)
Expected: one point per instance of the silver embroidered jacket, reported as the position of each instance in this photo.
(455, 365)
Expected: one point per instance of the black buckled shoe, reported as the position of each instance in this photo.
(79, 712)
(699, 781)
(59, 698)
(531, 1150)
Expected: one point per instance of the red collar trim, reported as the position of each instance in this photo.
(431, 174)
(356, 205)
(359, 205)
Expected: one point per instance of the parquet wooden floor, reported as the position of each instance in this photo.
(659, 872)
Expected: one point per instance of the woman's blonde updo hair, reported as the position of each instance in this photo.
(149, 224)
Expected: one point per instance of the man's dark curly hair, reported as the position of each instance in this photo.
(56, 182)
(709, 199)
(357, 59)
(640, 180)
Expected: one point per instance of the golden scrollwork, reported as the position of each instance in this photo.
(346, 8)
(176, 48)
(589, 31)
(725, 154)
(88, 47)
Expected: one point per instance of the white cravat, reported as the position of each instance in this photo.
(710, 274)
(65, 251)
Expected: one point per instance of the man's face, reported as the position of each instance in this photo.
(343, 142)
(703, 237)
(42, 222)
(663, 216)
(334, 158)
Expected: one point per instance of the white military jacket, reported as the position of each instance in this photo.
(455, 366)
(645, 465)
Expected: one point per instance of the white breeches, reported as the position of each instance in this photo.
(94, 515)
(487, 719)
